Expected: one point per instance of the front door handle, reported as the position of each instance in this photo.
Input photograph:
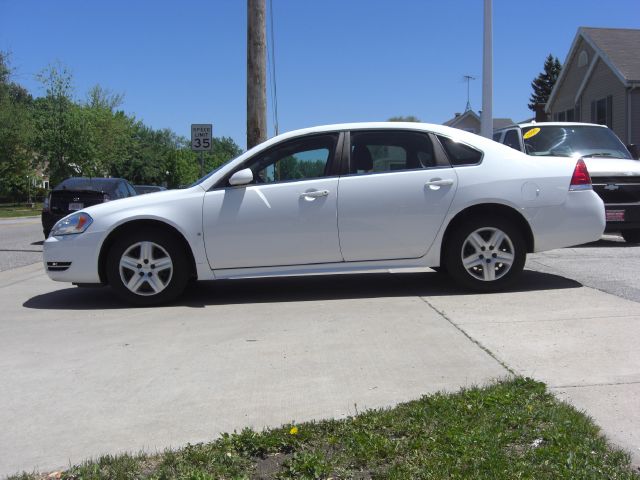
(315, 194)
(438, 182)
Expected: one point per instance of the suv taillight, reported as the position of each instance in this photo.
(581, 180)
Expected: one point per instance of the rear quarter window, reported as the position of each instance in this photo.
(460, 154)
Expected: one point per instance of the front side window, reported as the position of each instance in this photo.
(388, 151)
(301, 159)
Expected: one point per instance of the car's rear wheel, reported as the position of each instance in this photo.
(485, 254)
(631, 236)
(147, 268)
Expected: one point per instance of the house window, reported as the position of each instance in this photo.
(570, 115)
(583, 59)
(602, 111)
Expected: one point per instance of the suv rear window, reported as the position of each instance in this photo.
(93, 184)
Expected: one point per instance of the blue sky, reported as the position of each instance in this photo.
(337, 60)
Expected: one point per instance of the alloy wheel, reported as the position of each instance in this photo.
(487, 254)
(145, 268)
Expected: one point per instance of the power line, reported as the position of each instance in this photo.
(272, 71)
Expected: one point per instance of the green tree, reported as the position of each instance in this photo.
(16, 156)
(544, 82)
(64, 132)
(408, 118)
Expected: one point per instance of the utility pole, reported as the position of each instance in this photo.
(486, 118)
(256, 73)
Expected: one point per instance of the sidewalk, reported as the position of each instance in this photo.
(581, 342)
(84, 376)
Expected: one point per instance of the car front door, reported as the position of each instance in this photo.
(285, 216)
(394, 200)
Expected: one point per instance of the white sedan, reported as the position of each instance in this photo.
(352, 197)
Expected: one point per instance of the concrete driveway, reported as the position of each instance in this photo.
(82, 376)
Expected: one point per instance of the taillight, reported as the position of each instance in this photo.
(581, 180)
(46, 204)
(106, 198)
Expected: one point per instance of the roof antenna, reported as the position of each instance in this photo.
(468, 79)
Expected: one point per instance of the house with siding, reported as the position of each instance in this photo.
(469, 121)
(600, 82)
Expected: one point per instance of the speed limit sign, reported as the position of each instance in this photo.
(201, 137)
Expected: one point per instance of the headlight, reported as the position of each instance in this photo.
(73, 224)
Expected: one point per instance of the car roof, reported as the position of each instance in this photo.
(551, 124)
(419, 126)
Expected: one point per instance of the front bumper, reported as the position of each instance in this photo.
(73, 258)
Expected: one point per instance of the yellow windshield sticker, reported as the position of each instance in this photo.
(531, 133)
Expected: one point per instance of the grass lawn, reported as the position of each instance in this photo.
(511, 429)
(20, 210)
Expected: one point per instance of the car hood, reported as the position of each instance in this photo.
(148, 200)
(612, 167)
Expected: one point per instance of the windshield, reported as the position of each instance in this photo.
(573, 141)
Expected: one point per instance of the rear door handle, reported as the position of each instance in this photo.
(315, 194)
(438, 182)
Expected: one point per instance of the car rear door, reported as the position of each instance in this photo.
(393, 202)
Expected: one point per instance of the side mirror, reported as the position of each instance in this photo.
(634, 150)
(241, 177)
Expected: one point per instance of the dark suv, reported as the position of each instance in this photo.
(76, 193)
(614, 173)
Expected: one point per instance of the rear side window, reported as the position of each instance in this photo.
(460, 154)
(511, 139)
(388, 151)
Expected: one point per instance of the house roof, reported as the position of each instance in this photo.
(616, 47)
(497, 122)
(621, 46)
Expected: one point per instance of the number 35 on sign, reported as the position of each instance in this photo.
(201, 137)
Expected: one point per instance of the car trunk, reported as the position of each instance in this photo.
(68, 201)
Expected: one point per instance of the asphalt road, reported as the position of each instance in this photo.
(610, 265)
(20, 242)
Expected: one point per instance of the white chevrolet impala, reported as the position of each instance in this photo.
(352, 197)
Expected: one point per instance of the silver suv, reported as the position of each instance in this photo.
(614, 173)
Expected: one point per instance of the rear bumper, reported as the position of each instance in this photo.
(579, 220)
(631, 217)
(73, 258)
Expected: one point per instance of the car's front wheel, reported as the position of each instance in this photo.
(147, 268)
(485, 254)
(631, 236)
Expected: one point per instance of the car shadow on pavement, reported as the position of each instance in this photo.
(604, 243)
(297, 289)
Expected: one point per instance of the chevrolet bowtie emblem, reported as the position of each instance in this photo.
(612, 187)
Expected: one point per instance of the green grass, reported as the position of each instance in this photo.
(20, 210)
(512, 429)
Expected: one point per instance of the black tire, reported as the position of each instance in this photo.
(441, 269)
(631, 236)
(162, 245)
(474, 277)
